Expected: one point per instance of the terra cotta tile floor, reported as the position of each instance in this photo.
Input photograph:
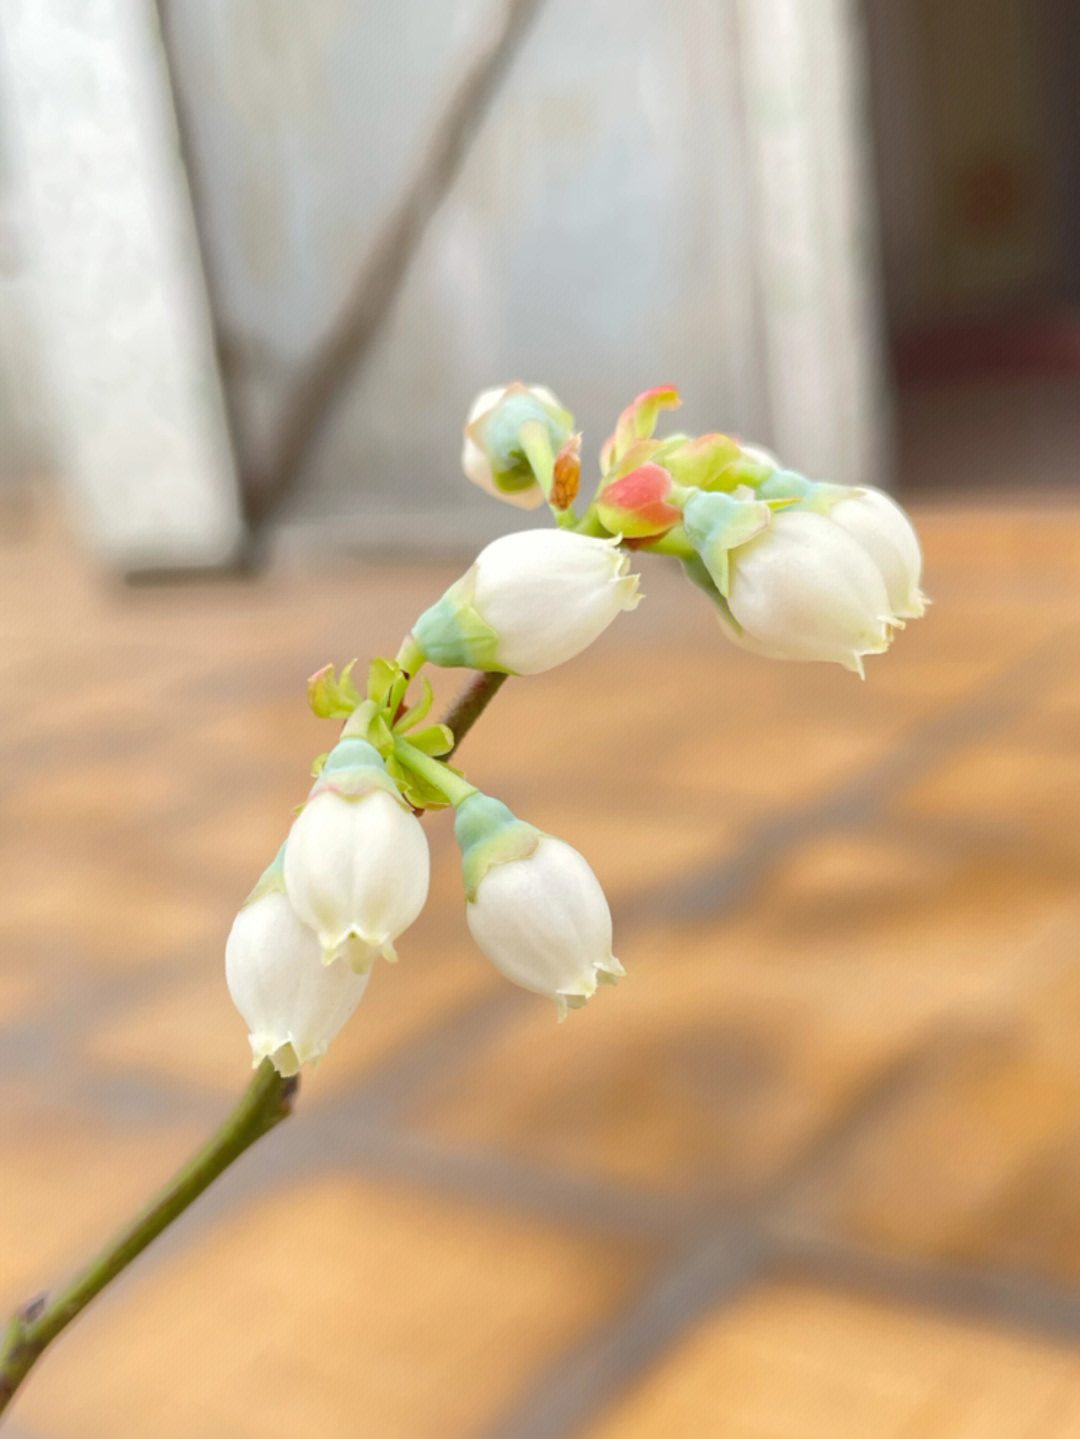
(811, 1169)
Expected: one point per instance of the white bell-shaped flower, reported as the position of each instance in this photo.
(534, 906)
(888, 537)
(356, 860)
(804, 589)
(292, 1003)
(530, 601)
(544, 922)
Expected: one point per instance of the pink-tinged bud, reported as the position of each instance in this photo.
(637, 505)
(637, 422)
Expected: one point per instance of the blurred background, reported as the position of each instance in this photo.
(811, 1169)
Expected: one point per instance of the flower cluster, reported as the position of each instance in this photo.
(352, 876)
(795, 569)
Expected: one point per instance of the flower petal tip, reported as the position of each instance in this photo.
(610, 972)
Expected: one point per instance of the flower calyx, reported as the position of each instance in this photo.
(717, 524)
(383, 718)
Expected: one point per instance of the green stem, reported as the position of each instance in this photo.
(267, 1100)
(591, 524)
(675, 543)
(451, 786)
(410, 656)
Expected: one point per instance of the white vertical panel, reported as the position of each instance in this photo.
(119, 283)
(816, 225)
(851, 244)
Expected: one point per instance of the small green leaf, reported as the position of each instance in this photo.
(396, 698)
(419, 710)
(381, 679)
(415, 790)
(436, 740)
(317, 764)
(380, 735)
(331, 697)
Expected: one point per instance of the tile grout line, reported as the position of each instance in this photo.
(712, 892)
(993, 1294)
(574, 1389)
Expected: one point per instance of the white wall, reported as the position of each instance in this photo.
(656, 195)
(110, 283)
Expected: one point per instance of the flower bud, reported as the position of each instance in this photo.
(637, 505)
(499, 452)
(637, 422)
(529, 602)
(356, 860)
(798, 588)
(292, 1003)
(566, 475)
(886, 534)
(533, 905)
(712, 462)
(873, 519)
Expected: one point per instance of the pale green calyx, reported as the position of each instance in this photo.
(488, 833)
(718, 523)
(354, 768)
(452, 634)
(807, 494)
(514, 427)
